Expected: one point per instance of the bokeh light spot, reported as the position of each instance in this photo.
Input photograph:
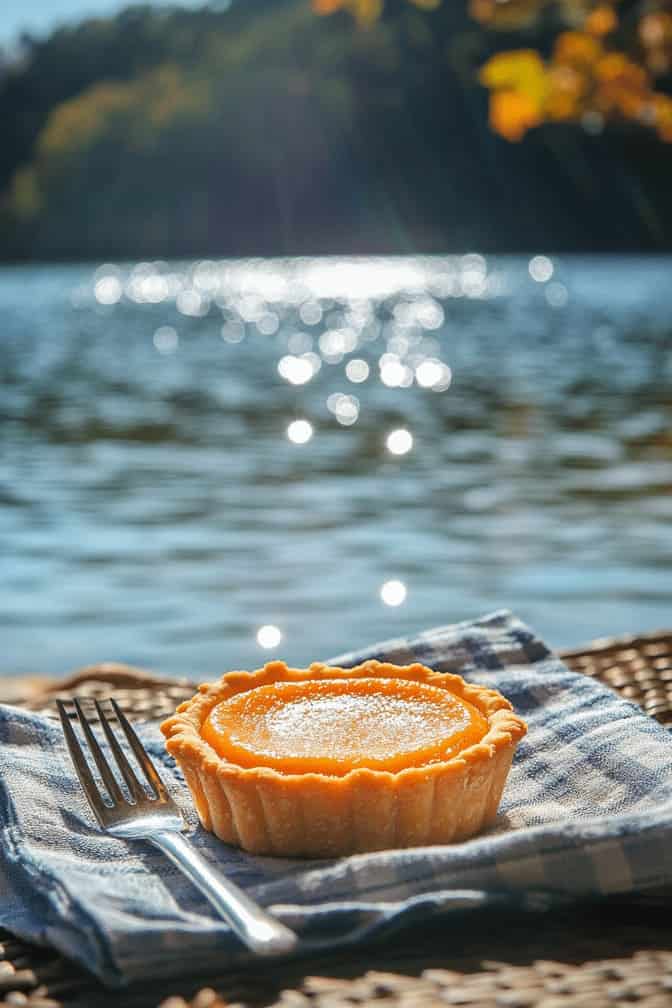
(108, 290)
(399, 442)
(269, 636)
(392, 372)
(300, 431)
(433, 374)
(346, 410)
(310, 313)
(233, 331)
(166, 339)
(295, 370)
(190, 302)
(540, 268)
(357, 370)
(393, 593)
(268, 323)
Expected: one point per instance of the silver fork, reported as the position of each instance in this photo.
(159, 820)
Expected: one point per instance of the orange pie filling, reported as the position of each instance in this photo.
(326, 761)
(333, 726)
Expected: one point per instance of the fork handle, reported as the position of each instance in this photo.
(257, 929)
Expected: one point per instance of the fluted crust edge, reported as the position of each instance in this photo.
(314, 815)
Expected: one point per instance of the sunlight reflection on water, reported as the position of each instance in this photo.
(188, 479)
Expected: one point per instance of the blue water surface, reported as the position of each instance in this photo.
(472, 434)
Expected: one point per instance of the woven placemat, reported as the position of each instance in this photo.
(602, 955)
(639, 668)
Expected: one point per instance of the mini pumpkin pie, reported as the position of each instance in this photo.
(326, 761)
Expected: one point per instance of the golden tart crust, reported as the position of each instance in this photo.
(268, 811)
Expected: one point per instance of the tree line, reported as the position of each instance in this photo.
(265, 129)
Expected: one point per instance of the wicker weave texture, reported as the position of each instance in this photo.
(639, 668)
(644, 979)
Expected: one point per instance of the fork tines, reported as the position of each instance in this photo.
(137, 791)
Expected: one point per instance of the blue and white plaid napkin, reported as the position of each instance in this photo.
(587, 811)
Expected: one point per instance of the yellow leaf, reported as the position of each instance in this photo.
(521, 71)
(619, 71)
(577, 48)
(567, 91)
(656, 29)
(601, 21)
(513, 113)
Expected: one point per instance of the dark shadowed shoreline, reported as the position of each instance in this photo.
(266, 130)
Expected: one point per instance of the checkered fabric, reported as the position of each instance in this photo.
(587, 812)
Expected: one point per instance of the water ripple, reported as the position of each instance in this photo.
(193, 451)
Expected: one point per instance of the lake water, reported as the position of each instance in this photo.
(154, 508)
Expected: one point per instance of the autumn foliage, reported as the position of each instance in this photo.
(589, 77)
(608, 63)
